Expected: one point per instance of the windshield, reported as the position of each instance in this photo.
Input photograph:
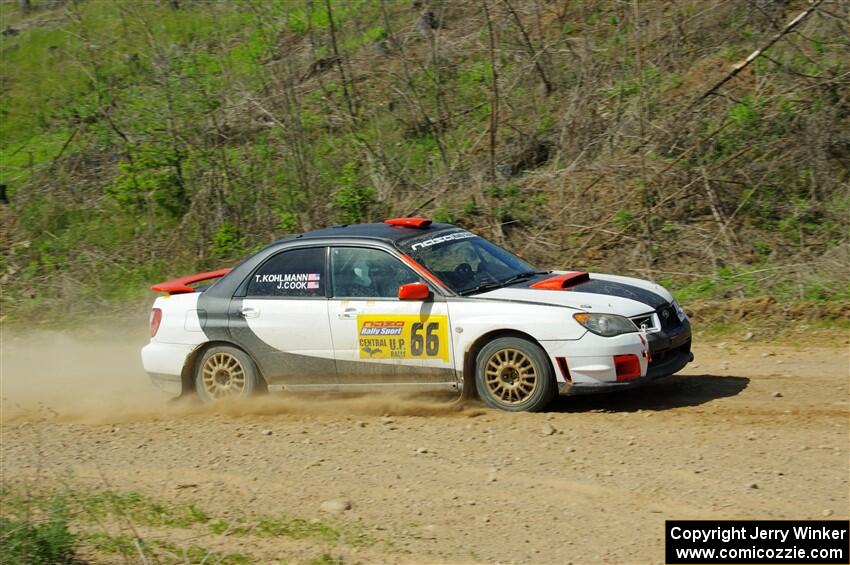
(468, 263)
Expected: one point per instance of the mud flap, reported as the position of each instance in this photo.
(468, 392)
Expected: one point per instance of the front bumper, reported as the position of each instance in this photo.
(590, 364)
(675, 363)
(670, 350)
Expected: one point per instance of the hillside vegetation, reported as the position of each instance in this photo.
(146, 139)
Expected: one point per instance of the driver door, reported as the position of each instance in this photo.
(378, 339)
(283, 319)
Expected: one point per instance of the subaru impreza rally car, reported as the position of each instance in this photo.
(409, 304)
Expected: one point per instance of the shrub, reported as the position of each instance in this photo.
(26, 541)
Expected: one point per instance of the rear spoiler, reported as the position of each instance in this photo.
(181, 285)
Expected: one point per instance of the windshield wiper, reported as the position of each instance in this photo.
(499, 284)
(522, 276)
(480, 287)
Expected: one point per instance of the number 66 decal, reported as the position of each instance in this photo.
(431, 339)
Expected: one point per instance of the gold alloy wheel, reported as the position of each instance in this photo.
(223, 376)
(510, 376)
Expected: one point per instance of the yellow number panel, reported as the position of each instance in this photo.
(403, 336)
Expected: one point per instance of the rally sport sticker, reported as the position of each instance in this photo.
(391, 336)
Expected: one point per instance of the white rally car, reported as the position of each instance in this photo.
(409, 304)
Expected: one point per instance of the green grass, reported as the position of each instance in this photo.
(751, 281)
(51, 525)
(291, 527)
(826, 333)
(19, 160)
(29, 540)
(296, 528)
(162, 551)
(141, 509)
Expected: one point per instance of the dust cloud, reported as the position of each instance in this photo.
(87, 373)
(94, 375)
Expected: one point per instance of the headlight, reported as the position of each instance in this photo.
(607, 325)
(679, 311)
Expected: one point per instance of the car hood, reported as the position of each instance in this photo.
(613, 294)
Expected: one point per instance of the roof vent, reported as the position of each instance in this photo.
(420, 223)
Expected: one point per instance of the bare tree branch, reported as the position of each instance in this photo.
(758, 52)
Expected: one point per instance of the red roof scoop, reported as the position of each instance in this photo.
(181, 285)
(560, 282)
(419, 223)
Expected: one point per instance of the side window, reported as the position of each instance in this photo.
(359, 272)
(300, 272)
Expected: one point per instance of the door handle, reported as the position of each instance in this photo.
(348, 313)
(248, 312)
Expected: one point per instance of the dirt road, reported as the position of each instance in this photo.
(749, 431)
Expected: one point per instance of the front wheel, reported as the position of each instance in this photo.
(225, 372)
(514, 374)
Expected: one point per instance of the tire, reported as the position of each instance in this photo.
(514, 374)
(226, 372)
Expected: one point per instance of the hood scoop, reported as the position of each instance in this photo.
(563, 281)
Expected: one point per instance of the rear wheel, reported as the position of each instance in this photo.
(514, 374)
(225, 372)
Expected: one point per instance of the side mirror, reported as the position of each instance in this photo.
(414, 291)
